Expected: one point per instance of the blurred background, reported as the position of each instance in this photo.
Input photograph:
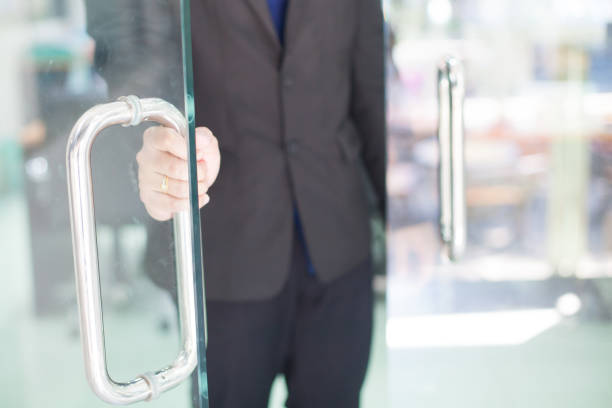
(524, 319)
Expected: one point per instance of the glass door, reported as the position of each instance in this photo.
(110, 311)
(500, 192)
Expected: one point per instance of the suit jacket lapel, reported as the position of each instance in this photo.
(295, 20)
(261, 9)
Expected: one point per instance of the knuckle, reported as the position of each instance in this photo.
(148, 135)
(167, 137)
(175, 168)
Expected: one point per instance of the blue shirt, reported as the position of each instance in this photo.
(278, 10)
(300, 235)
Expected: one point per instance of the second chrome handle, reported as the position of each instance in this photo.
(453, 218)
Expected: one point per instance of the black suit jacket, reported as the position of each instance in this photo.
(296, 126)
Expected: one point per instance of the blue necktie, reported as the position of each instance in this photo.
(278, 10)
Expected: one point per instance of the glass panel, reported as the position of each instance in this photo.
(59, 59)
(524, 318)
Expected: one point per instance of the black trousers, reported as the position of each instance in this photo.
(317, 335)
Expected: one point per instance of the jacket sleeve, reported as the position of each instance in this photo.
(368, 95)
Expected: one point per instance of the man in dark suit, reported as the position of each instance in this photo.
(294, 91)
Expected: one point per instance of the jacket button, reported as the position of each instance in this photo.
(292, 146)
(287, 82)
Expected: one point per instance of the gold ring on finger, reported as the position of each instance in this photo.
(164, 185)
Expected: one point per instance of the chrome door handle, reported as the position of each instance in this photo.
(128, 111)
(451, 95)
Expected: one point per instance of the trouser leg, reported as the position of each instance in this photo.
(331, 345)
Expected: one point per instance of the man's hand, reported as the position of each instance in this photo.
(163, 170)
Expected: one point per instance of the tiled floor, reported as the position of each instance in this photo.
(565, 367)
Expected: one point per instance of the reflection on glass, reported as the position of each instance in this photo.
(530, 298)
(60, 58)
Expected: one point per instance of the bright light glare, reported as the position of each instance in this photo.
(569, 304)
(507, 328)
(440, 11)
(570, 8)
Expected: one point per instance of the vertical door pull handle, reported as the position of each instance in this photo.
(453, 218)
(127, 111)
